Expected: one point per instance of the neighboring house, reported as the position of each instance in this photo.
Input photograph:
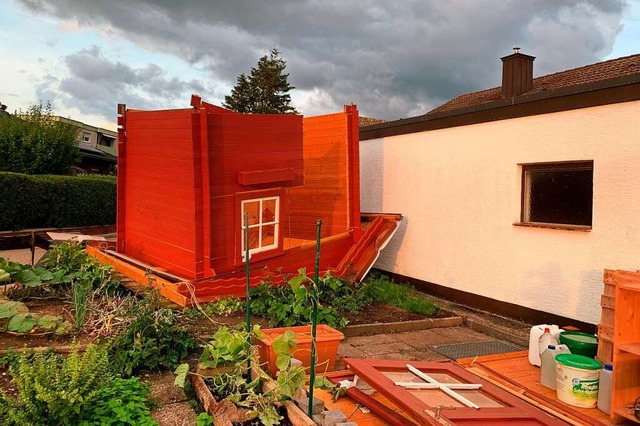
(517, 197)
(98, 148)
(187, 177)
(368, 121)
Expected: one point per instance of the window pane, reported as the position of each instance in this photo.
(561, 196)
(254, 238)
(268, 211)
(268, 235)
(253, 208)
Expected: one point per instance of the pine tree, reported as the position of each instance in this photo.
(265, 90)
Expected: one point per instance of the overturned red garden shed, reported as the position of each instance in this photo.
(186, 178)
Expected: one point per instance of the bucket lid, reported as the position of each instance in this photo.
(578, 361)
(578, 339)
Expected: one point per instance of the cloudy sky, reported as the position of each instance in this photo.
(393, 58)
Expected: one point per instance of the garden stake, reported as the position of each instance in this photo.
(314, 321)
(247, 271)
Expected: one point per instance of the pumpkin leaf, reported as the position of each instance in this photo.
(181, 374)
(49, 322)
(27, 277)
(290, 380)
(21, 323)
(9, 308)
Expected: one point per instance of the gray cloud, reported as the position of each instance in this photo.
(96, 84)
(393, 59)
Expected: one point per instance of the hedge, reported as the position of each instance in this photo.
(51, 201)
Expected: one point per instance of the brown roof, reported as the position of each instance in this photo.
(588, 74)
(368, 121)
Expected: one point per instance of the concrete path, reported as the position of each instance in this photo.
(410, 345)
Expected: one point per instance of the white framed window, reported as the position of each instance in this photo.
(86, 136)
(263, 224)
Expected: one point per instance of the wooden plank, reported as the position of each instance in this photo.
(528, 385)
(164, 287)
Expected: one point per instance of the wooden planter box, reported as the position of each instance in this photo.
(327, 341)
(227, 413)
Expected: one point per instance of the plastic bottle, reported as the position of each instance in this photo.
(548, 364)
(534, 335)
(604, 389)
(545, 340)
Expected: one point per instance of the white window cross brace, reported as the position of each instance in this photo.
(447, 388)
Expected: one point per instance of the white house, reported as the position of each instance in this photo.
(517, 197)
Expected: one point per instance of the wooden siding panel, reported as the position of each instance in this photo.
(325, 191)
(160, 224)
(246, 143)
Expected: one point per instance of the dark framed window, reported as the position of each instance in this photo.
(558, 193)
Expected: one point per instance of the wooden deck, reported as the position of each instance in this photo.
(512, 372)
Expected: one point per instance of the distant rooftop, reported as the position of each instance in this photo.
(577, 76)
(368, 121)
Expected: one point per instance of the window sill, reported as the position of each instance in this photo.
(581, 228)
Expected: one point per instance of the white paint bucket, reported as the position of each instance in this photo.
(577, 380)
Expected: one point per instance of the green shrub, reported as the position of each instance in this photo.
(153, 340)
(123, 402)
(49, 201)
(80, 389)
(290, 304)
(54, 390)
(37, 142)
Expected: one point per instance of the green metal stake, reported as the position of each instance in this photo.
(247, 271)
(314, 321)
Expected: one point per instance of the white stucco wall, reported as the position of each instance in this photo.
(459, 191)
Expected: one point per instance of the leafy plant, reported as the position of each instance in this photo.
(228, 347)
(55, 390)
(20, 320)
(80, 389)
(70, 261)
(153, 340)
(290, 304)
(204, 419)
(123, 402)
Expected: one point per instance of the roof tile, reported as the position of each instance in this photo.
(587, 74)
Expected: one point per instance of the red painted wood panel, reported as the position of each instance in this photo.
(325, 157)
(160, 196)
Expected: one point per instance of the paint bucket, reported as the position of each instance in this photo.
(580, 343)
(577, 379)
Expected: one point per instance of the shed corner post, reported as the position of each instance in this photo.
(120, 179)
(353, 155)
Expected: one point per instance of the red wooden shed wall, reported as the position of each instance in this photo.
(160, 198)
(247, 143)
(330, 188)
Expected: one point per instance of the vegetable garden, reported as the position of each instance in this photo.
(111, 335)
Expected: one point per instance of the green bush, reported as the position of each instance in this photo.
(290, 304)
(37, 142)
(49, 201)
(80, 389)
(153, 340)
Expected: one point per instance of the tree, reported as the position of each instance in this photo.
(265, 90)
(36, 142)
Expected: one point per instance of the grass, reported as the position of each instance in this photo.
(384, 290)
